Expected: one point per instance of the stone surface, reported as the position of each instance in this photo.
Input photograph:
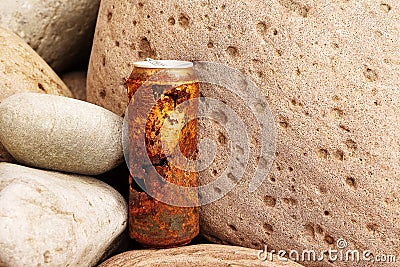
(4, 155)
(329, 71)
(196, 256)
(54, 219)
(60, 133)
(60, 31)
(22, 70)
(76, 82)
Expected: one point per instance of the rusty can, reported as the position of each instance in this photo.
(160, 126)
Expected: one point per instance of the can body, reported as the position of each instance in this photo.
(167, 128)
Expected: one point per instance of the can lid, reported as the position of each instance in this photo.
(163, 64)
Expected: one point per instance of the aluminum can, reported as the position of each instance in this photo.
(161, 124)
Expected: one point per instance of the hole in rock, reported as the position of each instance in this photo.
(329, 239)
(370, 74)
(290, 201)
(386, 7)
(351, 181)
(232, 177)
(40, 86)
(183, 21)
(270, 201)
(268, 228)
(261, 27)
(278, 167)
(232, 51)
(284, 124)
(338, 112)
(318, 229)
(222, 139)
(322, 153)
(103, 94)
(232, 227)
(372, 227)
(338, 155)
(351, 145)
(309, 230)
(322, 189)
(146, 49)
(344, 128)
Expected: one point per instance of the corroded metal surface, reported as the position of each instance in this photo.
(152, 222)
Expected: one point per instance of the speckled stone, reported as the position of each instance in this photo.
(76, 82)
(22, 70)
(60, 133)
(329, 71)
(204, 255)
(59, 31)
(54, 219)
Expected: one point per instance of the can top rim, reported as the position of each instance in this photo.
(163, 64)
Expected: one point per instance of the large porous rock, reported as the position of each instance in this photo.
(329, 72)
(60, 133)
(23, 70)
(76, 82)
(196, 256)
(60, 31)
(54, 219)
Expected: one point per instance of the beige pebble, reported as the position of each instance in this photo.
(55, 219)
(59, 31)
(60, 133)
